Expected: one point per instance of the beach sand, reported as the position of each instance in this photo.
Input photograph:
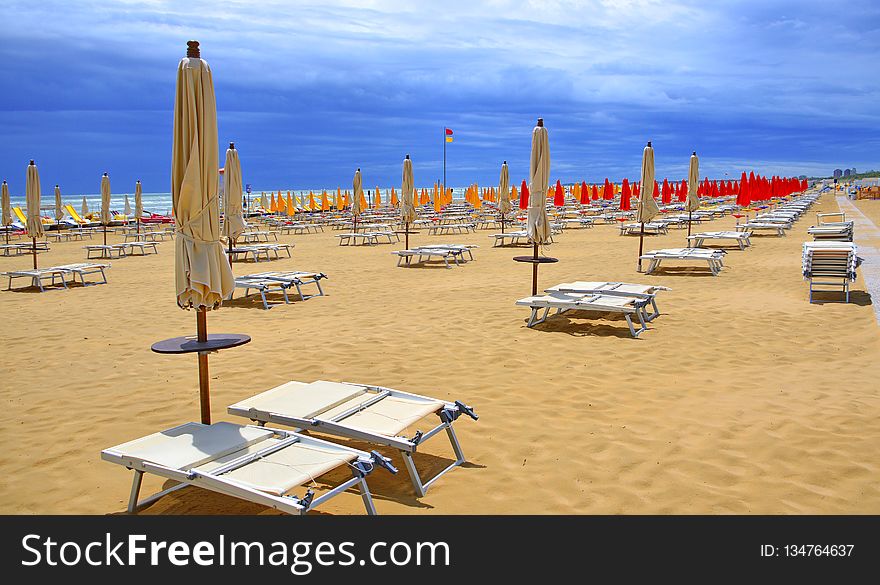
(741, 398)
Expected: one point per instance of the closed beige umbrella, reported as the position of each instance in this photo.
(539, 176)
(203, 276)
(264, 203)
(105, 203)
(407, 208)
(84, 210)
(59, 207)
(7, 208)
(233, 215)
(32, 195)
(693, 199)
(138, 205)
(647, 209)
(504, 193)
(127, 207)
(356, 207)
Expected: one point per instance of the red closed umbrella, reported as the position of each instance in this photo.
(585, 193)
(559, 195)
(682, 191)
(524, 196)
(595, 192)
(742, 199)
(625, 194)
(608, 190)
(666, 193)
(656, 192)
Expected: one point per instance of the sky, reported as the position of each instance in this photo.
(310, 91)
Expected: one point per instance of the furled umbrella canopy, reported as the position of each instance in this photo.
(105, 199)
(504, 189)
(32, 194)
(407, 208)
(625, 195)
(127, 208)
(357, 199)
(585, 193)
(538, 226)
(5, 204)
(693, 201)
(59, 207)
(233, 214)
(524, 196)
(559, 194)
(138, 200)
(264, 203)
(84, 210)
(647, 208)
(203, 277)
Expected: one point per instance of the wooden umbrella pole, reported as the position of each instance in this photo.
(204, 380)
(690, 215)
(535, 271)
(641, 242)
(105, 234)
(35, 252)
(138, 225)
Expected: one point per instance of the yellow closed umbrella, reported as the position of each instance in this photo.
(337, 203)
(203, 276)
(325, 201)
(291, 209)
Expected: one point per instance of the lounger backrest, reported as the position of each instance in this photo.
(299, 400)
(192, 444)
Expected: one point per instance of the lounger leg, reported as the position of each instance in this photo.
(284, 292)
(263, 296)
(135, 491)
(366, 496)
(632, 329)
(413, 473)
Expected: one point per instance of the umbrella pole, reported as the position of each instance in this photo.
(204, 380)
(535, 271)
(690, 215)
(35, 252)
(138, 225)
(105, 234)
(641, 243)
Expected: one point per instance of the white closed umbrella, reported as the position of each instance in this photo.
(138, 205)
(647, 209)
(358, 188)
(504, 193)
(539, 177)
(59, 208)
(693, 199)
(6, 206)
(105, 203)
(32, 195)
(407, 207)
(203, 276)
(233, 215)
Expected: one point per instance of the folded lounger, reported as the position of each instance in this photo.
(712, 257)
(623, 289)
(358, 411)
(251, 463)
(600, 303)
(742, 239)
(830, 264)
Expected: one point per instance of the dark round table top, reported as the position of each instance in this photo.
(189, 344)
(533, 260)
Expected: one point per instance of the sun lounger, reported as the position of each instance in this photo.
(293, 278)
(464, 248)
(257, 251)
(38, 276)
(23, 248)
(742, 239)
(577, 222)
(103, 251)
(451, 228)
(628, 306)
(623, 289)
(251, 463)
(755, 225)
(359, 411)
(829, 264)
(262, 286)
(839, 232)
(426, 254)
(142, 247)
(84, 269)
(713, 258)
(651, 227)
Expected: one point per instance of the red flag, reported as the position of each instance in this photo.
(524, 196)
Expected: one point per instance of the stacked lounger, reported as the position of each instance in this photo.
(830, 264)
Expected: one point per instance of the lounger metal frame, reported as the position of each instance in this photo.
(448, 414)
(214, 481)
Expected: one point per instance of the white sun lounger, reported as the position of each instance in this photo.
(251, 463)
(713, 258)
(426, 254)
(755, 225)
(623, 289)
(742, 239)
(294, 278)
(601, 303)
(38, 276)
(83, 269)
(651, 227)
(103, 251)
(359, 411)
(830, 264)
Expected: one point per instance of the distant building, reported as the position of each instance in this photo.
(838, 173)
(846, 172)
(802, 177)
(854, 171)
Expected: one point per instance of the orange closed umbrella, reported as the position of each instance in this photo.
(273, 206)
(377, 201)
(394, 201)
(291, 210)
(325, 202)
(312, 205)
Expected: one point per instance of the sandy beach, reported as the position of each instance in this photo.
(741, 398)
